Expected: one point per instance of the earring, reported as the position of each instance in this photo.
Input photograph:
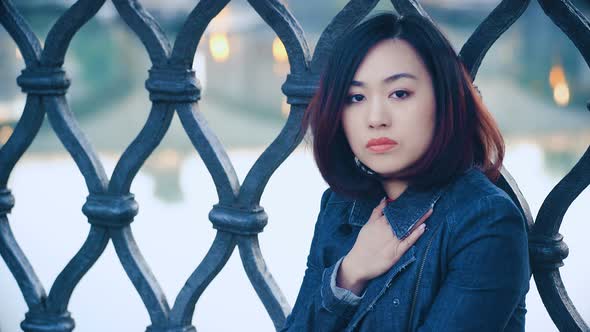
(478, 92)
(363, 168)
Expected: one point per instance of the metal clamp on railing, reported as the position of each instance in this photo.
(237, 221)
(42, 322)
(547, 252)
(44, 81)
(6, 201)
(300, 88)
(110, 211)
(153, 328)
(173, 85)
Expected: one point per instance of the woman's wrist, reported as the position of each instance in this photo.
(347, 277)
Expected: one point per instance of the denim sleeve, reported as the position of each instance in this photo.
(487, 271)
(317, 307)
(343, 294)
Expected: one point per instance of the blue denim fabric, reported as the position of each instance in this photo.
(468, 272)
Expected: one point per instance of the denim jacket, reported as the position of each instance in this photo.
(468, 272)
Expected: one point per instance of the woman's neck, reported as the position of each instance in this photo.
(394, 188)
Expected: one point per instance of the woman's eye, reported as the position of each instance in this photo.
(400, 94)
(355, 98)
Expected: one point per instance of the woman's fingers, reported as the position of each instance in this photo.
(422, 220)
(409, 241)
(416, 232)
(378, 210)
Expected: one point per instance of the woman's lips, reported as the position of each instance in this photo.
(381, 147)
(381, 144)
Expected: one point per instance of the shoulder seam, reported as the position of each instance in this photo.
(452, 224)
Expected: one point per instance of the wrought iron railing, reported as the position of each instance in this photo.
(238, 217)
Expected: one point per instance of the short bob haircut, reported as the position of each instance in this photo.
(465, 133)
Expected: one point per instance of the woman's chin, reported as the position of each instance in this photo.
(387, 172)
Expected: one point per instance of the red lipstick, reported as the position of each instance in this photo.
(381, 144)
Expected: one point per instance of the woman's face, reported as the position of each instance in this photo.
(389, 115)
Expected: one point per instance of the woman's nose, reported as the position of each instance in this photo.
(379, 115)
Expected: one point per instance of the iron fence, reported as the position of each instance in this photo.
(238, 217)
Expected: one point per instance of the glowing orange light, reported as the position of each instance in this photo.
(5, 133)
(278, 50)
(558, 81)
(561, 94)
(219, 46)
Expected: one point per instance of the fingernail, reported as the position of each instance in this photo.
(423, 227)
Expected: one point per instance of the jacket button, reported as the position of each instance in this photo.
(396, 302)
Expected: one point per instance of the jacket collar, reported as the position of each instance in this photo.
(402, 214)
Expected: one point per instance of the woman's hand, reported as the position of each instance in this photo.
(375, 250)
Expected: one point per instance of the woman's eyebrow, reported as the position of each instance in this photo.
(389, 79)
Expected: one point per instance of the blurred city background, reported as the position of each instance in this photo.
(533, 80)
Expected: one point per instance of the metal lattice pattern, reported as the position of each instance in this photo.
(238, 217)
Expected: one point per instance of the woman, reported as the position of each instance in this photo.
(412, 234)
